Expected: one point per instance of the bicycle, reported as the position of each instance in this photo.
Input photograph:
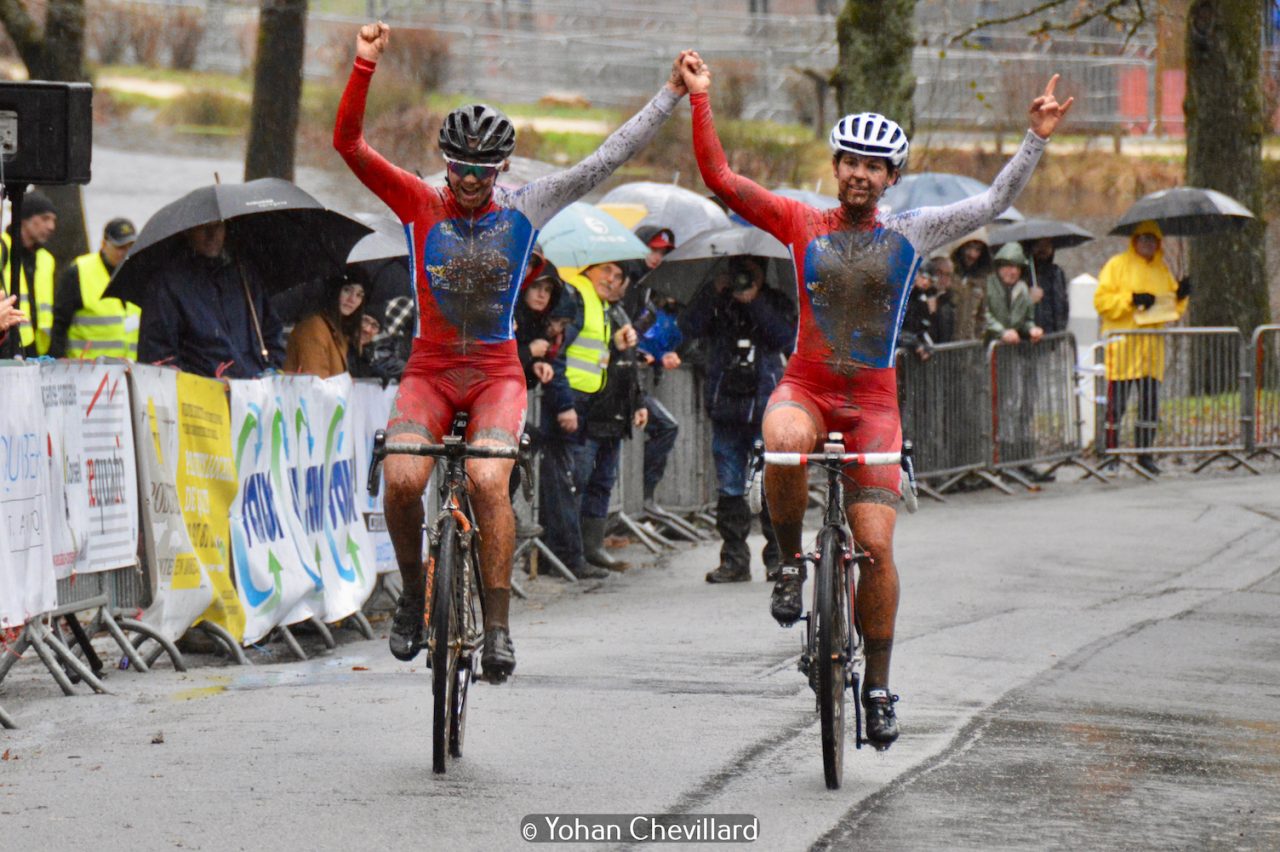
(831, 647)
(454, 611)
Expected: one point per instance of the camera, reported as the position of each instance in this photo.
(741, 282)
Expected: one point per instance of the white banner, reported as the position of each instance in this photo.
(319, 449)
(181, 584)
(27, 584)
(274, 583)
(370, 409)
(94, 485)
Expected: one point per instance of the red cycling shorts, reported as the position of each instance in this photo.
(486, 381)
(863, 406)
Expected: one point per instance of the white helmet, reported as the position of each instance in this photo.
(871, 135)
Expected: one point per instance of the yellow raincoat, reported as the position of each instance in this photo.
(1137, 356)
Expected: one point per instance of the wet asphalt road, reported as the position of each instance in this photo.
(1089, 667)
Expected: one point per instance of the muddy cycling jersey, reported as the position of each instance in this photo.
(467, 265)
(853, 279)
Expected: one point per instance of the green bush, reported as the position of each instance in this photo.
(203, 108)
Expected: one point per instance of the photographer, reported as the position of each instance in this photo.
(747, 328)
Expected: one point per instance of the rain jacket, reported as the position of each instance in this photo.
(1139, 356)
(1008, 307)
(969, 288)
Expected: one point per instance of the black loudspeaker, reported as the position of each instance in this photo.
(46, 132)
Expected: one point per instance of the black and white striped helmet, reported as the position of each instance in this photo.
(871, 135)
(477, 133)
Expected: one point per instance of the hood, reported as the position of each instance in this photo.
(1147, 227)
(984, 260)
(1010, 253)
(541, 269)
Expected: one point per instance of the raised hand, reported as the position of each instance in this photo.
(697, 77)
(372, 40)
(1046, 112)
(676, 81)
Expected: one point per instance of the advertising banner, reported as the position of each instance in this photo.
(94, 512)
(27, 584)
(206, 485)
(369, 410)
(181, 587)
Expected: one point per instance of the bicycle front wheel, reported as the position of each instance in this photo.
(468, 594)
(832, 631)
(444, 649)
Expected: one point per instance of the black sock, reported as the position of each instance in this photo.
(497, 606)
(877, 652)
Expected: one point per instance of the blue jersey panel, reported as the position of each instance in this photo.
(474, 268)
(858, 283)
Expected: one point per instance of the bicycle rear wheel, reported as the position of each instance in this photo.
(444, 650)
(831, 613)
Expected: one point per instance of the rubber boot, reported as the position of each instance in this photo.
(733, 522)
(593, 545)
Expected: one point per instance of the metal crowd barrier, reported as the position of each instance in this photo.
(1265, 435)
(1170, 391)
(1035, 413)
(689, 484)
(944, 413)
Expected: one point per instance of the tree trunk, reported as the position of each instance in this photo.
(1225, 127)
(57, 53)
(277, 89)
(875, 39)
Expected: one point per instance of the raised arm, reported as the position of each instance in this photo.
(745, 197)
(928, 228)
(544, 198)
(395, 186)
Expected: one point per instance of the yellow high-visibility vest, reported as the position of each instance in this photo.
(588, 357)
(39, 325)
(102, 326)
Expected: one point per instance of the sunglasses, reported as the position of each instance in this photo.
(482, 171)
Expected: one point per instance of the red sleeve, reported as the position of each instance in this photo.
(745, 197)
(395, 186)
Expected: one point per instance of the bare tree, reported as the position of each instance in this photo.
(277, 89)
(54, 50)
(875, 40)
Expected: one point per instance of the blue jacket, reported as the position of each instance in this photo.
(196, 318)
(768, 322)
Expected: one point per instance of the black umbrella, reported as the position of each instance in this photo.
(387, 240)
(685, 269)
(1185, 211)
(1063, 234)
(289, 236)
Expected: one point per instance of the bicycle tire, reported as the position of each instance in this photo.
(465, 670)
(832, 635)
(444, 656)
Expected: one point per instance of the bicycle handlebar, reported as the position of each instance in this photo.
(453, 448)
(799, 459)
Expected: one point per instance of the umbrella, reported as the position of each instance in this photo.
(1185, 211)
(1063, 234)
(387, 240)
(582, 234)
(287, 234)
(665, 205)
(813, 199)
(687, 267)
(935, 189)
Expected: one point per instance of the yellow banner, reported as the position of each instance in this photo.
(206, 485)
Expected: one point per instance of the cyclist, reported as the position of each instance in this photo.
(854, 270)
(469, 241)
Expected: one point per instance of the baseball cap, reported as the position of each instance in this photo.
(120, 232)
(664, 239)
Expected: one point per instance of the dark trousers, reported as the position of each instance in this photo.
(659, 437)
(1147, 390)
(558, 511)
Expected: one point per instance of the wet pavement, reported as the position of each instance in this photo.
(1086, 667)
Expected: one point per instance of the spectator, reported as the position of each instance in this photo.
(378, 355)
(972, 265)
(207, 311)
(941, 269)
(660, 338)
(1137, 290)
(541, 292)
(322, 344)
(1049, 289)
(1010, 319)
(1010, 315)
(84, 323)
(918, 320)
(748, 328)
(9, 317)
(35, 288)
